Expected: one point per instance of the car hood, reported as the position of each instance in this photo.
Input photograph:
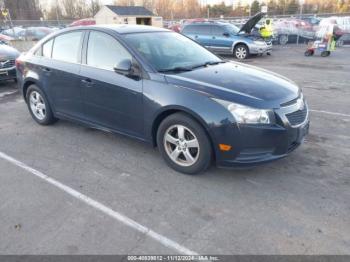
(249, 25)
(8, 52)
(240, 83)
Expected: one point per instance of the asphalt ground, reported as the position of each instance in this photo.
(68, 189)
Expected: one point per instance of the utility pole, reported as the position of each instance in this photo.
(301, 3)
(208, 12)
(250, 8)
(57, 16)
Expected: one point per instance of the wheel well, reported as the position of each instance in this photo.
(240, 43)
(169, 112)
(159, 120)
(25, 87)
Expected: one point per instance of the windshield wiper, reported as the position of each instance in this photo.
(209, 63)
(175, 69)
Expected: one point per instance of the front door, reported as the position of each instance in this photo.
(221, 42)
(110, 99)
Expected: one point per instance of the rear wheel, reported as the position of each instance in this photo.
(38, 106)
(183, 144)
(283, 39)
(325, 53)
(241, 52)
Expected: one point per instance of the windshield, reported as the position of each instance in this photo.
(232, 29)
(168, 51)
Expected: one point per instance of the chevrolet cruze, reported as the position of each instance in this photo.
(165, 89)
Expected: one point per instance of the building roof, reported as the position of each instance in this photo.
(130, 10)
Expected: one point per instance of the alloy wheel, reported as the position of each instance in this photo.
(181, 145)
(241, 52)
(37, 105)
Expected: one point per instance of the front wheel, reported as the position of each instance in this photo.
(184, 144)
(241, 52)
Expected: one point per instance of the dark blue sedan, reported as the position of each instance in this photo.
(163, 88)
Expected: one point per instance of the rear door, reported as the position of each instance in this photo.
(203, 35)
(199, 33)
(60, 68)
(110, 99)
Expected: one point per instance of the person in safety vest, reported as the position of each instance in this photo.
(266, 30)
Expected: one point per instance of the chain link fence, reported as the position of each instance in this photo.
(34, 23)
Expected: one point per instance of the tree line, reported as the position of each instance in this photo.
(168, 9)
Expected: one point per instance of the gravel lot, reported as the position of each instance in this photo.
(298, 205)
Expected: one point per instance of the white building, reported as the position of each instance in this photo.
(110, 14)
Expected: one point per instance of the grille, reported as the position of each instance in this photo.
(297, 117)
(7, 64)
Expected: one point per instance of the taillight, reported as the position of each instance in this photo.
(17, 62)
(19, 65)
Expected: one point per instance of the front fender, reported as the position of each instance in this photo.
(162, 97)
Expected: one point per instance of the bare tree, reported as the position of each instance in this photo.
(23, 9)
(95, 6)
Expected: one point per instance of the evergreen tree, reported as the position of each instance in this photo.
(255, 7)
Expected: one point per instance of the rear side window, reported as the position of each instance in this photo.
(190, 29)
(47, 49)
(104, 51)
(67, 47)
(197, 29)
(204, 29)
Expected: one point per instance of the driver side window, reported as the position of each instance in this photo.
(104, 51)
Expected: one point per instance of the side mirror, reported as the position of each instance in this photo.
(226, 34)
(124, 67)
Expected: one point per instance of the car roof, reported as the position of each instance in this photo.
(207, 23)
(124, 28)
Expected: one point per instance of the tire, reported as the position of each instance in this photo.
(169, 142)
(283, 39)
(39, 106)
(325, 53)
(309, 53)
(241, 52)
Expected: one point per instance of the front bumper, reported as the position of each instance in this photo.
(8, 74)
(260, 49)
(257, 144)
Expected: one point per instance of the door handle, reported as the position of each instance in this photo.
(214, 37)
(45, 69)
(87, 82)
(196, 36)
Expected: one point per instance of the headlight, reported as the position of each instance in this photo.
(245, 114)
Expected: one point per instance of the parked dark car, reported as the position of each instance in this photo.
(8, 57)
(163, 88)
(286, 31)
(226, 38)
(344, 40)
